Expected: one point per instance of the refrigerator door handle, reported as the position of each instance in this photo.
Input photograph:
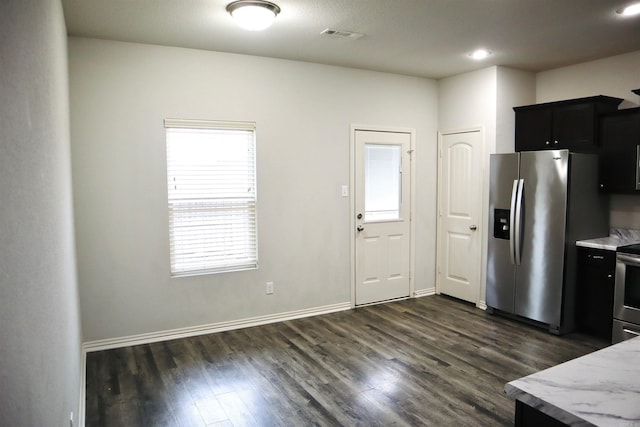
(512, 219)
(518, 231)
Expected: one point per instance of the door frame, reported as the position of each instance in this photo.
(352, 202)
(484, 202)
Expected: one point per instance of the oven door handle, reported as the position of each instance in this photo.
(627, 259)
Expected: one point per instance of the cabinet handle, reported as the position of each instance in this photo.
(598, 257)
(547, 142)
(555, 142)
(609, 276)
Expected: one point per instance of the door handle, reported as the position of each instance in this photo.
(359, 228)
(518, 233)
(512, 222)
(473, 227)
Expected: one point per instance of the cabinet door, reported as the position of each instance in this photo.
(620, 138)
(533, 129)
(596, 279)
(573, 127)
(570, 124)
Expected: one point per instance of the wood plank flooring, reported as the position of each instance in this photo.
(430, 361)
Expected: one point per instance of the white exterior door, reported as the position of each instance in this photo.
(459, 215)
(382, 209)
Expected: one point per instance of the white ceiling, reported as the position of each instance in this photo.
(426, 38)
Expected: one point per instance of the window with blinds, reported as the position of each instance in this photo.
(211, 177)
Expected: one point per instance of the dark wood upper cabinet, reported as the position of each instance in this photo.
(619, 134)
(570, 124)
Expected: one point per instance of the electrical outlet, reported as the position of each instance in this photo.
(269, 288)
(344, 191)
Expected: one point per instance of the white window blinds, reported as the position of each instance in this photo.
(211, 173)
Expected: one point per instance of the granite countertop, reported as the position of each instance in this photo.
(617, 237)
(601, 388)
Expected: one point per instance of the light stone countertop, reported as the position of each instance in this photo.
(601, 388)
(617, 237)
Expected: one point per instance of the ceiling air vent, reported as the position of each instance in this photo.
(341, 34)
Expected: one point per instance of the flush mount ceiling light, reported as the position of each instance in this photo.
(253, 15)
(629, 10)
(479, 54)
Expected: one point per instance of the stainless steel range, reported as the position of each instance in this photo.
(626, 300)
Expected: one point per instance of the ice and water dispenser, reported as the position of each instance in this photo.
(501, 223)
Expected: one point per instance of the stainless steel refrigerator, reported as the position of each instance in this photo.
(540, 203)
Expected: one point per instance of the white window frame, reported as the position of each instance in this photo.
(213, 225)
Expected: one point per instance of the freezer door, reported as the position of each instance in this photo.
(500, 268)
(539, 277)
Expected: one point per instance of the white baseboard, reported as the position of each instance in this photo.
(482, 305)
(191, 331)
(424, 292)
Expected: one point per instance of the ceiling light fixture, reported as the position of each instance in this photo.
(253, 15)
(479, 54)
(629, 10)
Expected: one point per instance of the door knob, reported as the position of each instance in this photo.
(359, 228)
(473, 228)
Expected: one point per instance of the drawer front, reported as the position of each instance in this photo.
(598, 257)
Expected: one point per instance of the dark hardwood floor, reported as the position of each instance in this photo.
(431, 361)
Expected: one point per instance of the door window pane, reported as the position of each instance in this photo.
(382, 181)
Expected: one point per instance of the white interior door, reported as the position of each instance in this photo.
(459, 215)
(382, 209)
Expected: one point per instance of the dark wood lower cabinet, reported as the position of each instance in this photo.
(594, 291)
(526, 416)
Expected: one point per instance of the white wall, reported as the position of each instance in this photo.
(485, 98)
(614, 76)
(121, 92)
(469, 100)
(39, 317)
(514, 88)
